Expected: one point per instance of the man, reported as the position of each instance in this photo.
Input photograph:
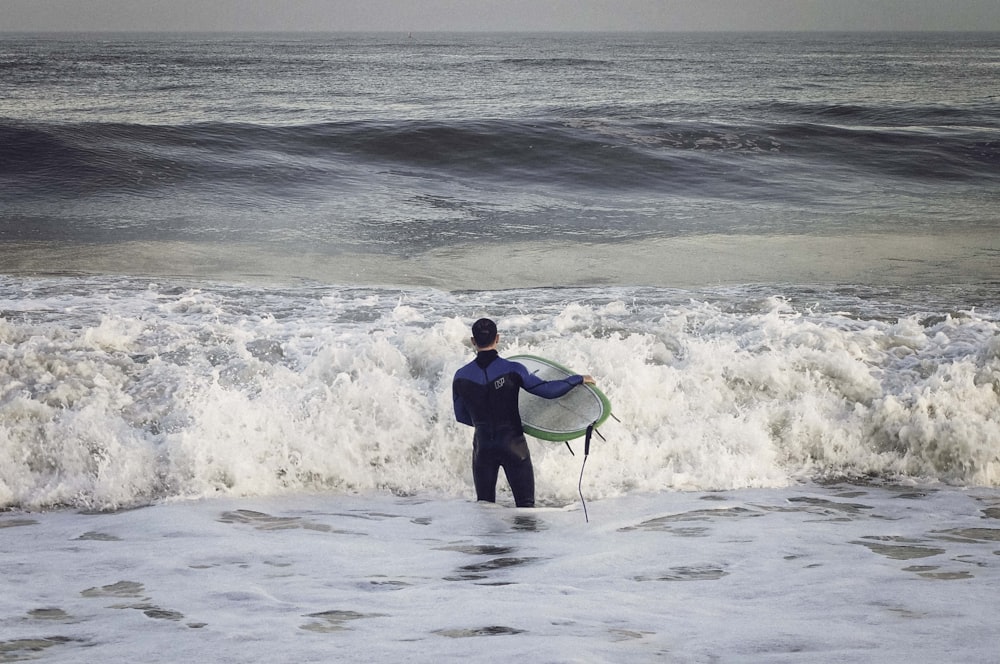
(485, 394)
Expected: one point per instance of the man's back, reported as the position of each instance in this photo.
(485, 394)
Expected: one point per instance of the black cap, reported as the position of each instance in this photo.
(484, 331)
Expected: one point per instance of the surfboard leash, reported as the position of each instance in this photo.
(599, 435)
(586, 453)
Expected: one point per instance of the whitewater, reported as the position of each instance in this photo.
(124, 392)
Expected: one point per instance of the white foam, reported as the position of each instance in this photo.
(122, 393)
(806, 574)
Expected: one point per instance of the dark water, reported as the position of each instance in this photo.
(431, 147)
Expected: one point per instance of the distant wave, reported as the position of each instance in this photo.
(557, 62)
(695, 158)
(887, 115)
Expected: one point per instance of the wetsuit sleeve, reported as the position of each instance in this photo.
(548, 389)
(461, 412)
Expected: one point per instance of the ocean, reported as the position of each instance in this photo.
(237, 274)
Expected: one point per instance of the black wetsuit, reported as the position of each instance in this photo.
(485, 393)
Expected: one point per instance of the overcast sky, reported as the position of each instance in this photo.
(497, 15)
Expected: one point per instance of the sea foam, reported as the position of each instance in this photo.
(118, 395)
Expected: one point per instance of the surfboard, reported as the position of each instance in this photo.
(566, 417)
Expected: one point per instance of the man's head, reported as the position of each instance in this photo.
(484, 333)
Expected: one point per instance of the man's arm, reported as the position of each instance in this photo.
(461, 412)
(548, 389)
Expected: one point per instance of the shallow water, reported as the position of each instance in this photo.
(806, 574)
